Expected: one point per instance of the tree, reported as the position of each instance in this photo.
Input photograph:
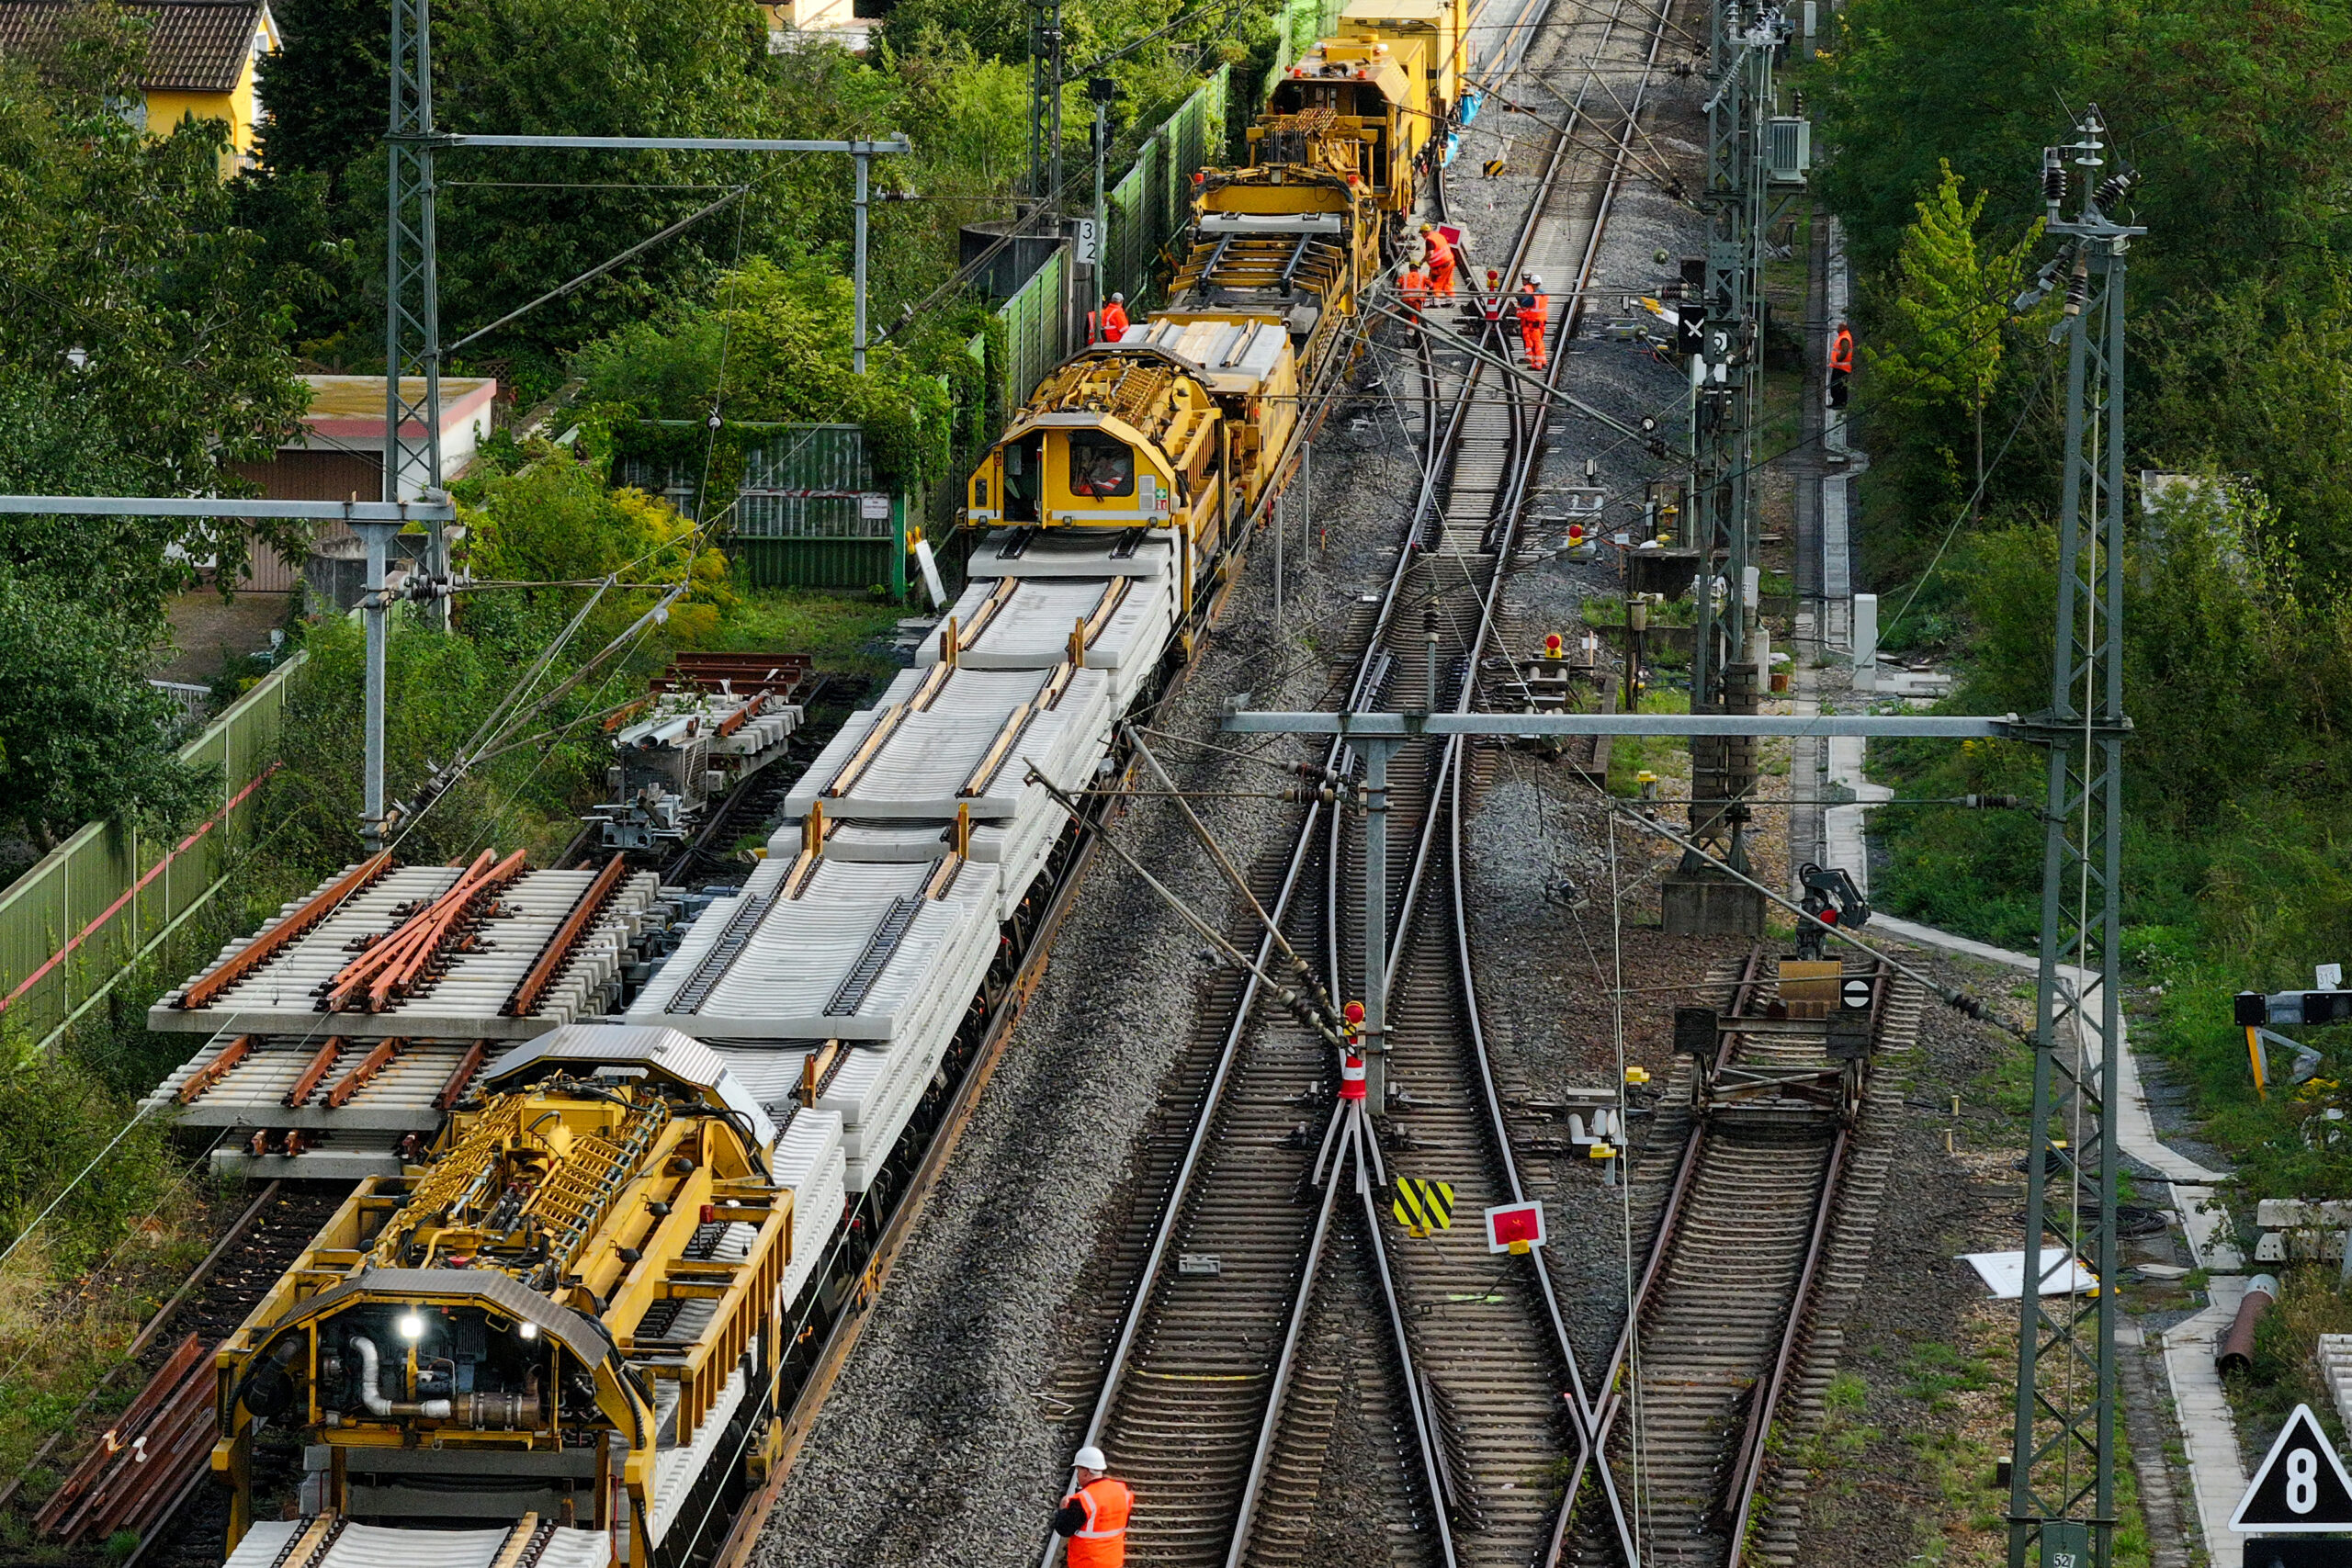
(1951, 299)
(514, 224)
(82, 730)
(141, 339)
(781, 333)
(555, 522)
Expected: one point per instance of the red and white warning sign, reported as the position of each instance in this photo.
(1514, 1227)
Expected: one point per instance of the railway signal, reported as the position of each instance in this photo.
(1515, 1227)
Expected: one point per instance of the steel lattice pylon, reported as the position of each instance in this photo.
(411, 300)
(2062, 1474)
(1726, 393)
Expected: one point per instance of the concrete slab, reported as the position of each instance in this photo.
(2207, 1427)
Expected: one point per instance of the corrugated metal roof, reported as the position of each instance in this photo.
(194, 46)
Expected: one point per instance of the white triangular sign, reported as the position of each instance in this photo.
(2298, 1486)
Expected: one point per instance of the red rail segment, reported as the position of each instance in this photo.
(277, 938)
(557, 954)
(395, 964)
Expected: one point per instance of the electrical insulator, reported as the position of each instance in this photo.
(2114, 188)
(2078, 286)
(2053, 178)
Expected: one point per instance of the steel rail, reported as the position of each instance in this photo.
(1446, 806)
(1747, 1469)
(1370, 672)
(1761, 1411)
(1661, 1247)
(1188, 1168)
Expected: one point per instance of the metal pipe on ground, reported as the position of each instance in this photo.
(2236, 1352)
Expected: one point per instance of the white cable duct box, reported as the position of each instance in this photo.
(808, 1159)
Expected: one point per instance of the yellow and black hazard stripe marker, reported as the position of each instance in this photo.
(1424, 1208)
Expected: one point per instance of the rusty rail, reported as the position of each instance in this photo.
(390, 966)
(213, 1071)
(369, 1066)
(461, 1075)
(267, 945)
(322, 1063)
(558, 952)
(232, 1239)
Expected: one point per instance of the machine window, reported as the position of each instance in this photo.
(1099, 464)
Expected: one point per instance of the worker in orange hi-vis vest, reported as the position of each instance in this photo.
(1841, 364)
(1534, 310)
(1414, 288)
(1094, 1517)
(1115, 319)
(1440, 258)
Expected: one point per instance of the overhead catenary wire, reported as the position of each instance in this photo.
(1299, 1003)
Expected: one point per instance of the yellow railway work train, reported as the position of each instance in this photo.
(1186, 421)
(576, 1314)
(568, 1313)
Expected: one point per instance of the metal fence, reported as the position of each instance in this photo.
(1148, 209)
(1143, 214)
(1298, 25)
(1036, 328)
(107, 897)
(771, 503)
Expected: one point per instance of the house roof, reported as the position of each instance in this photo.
(195, 46)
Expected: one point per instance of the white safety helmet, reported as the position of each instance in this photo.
(1531, 280)
(1091, 1458)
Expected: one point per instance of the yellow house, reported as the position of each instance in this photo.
(201, 56)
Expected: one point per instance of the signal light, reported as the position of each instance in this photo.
(1353, 1012)
(1553, 647)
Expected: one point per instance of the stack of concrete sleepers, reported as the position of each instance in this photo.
(1017, 848)
(1075, 552)
(931, 752)
(862, 955)
(284, 994)
(1028, 624)
(808, 1159)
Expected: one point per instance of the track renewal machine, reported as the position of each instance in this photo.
(567, 1315)
(1188, 420)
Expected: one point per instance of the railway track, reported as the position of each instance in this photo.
(148, 1482)
(1216, 1398)
(1770, 1159)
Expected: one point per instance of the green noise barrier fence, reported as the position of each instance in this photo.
(109, 895)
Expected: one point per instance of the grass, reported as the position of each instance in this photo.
(2284, 1374)
(1667, 756)
(838, 630)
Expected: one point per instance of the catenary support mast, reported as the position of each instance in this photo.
(2063, 1470)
